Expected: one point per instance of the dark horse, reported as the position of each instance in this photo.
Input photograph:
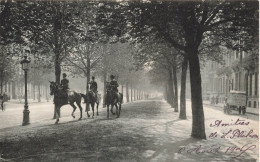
(113, 100)
(60, 101)
(91, 98)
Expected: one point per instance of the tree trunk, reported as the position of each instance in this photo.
(105, 88)
(57, 62)
(14, 96)
(165, 91)
(34, 91)
(198, 125)
(39, 92)
(131, 92)
(5, 86)
(127, 92)
(122, 91)
(2, 80)
(88, 79)
(47, 97)
(176, 105)
(134, 95)
(170, 93)
(57, 71)
(182, 114)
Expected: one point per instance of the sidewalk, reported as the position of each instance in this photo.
(17, 101)
(249, 110)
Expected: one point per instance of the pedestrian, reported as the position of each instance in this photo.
(213, 100)
(217, 97)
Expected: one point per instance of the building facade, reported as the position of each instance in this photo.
(238, 71)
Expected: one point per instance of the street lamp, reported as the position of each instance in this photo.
(25, 66)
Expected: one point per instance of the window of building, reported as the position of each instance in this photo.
(249, 103)
(254, 104)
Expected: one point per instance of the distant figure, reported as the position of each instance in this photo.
(213, 100)
(225, 100)
(217, 98)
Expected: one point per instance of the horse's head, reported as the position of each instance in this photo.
(53, 87)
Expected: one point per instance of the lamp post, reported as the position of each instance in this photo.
(25, 66)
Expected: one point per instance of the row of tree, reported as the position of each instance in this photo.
(187, 31)
(65, 36)
(165, 36)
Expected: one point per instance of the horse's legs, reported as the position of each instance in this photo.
(93, 109)
(116, 110)
(119, 109)
(97, 107)
(112, 106)
(80, 108)
(74, 108)
(86, 109)
(57, 114)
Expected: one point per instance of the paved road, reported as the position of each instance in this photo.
(146, 131)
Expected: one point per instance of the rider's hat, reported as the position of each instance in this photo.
(112, 76)
(64, 74)
(93, 77)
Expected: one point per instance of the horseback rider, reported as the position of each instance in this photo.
(65, 85)
(64, 82)
(114, 85)
(93, 86)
